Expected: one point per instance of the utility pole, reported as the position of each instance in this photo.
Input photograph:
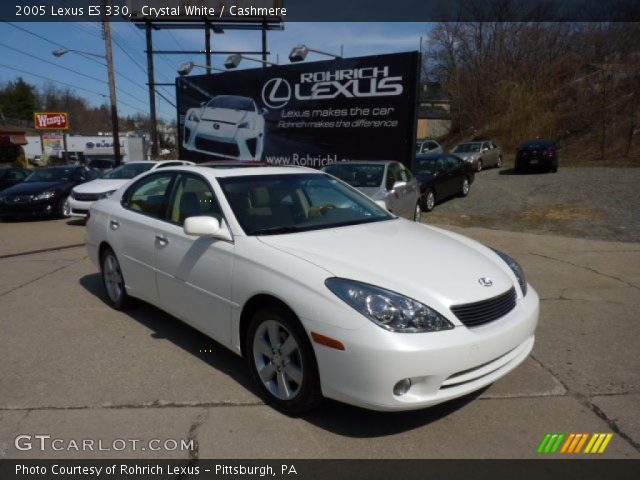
(112, 86)
(152, 93)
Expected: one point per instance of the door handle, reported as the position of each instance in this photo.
(114, 224)
(162, 240)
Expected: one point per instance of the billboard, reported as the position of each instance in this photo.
(309, 114)
(51, 120)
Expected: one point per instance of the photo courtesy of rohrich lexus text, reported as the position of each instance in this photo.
(319, 240)
(307, 114)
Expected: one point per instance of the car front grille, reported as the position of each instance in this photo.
(485, 311)
(86, 197)
(18, 198)
(214, 146)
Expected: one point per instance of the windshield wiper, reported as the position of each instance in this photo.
(278, 230)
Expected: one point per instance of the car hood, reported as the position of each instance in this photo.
(371, 192)
(431, 265)
(467, 155)
(225, 115)
(32, 188)
(100, 185)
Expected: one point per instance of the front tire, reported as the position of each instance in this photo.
(466, 187)
(417, 213)
(113, 281)
(64, 210)
(282, 361)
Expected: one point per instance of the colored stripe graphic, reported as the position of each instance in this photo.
(573, 443)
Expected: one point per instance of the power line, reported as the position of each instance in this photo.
(68, 69)
(26, 72)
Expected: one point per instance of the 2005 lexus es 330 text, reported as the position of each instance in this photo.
(321, 290)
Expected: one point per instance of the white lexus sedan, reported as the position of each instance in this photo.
(86, 193)
(324, 293)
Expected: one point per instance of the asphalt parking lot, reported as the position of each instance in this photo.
(76, 369)
(588, 202)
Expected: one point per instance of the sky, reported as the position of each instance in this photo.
(18, 49)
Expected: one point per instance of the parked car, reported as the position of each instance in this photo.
(441, 176)
(537, 154)
(428, 146)
(480, 154)
(318, 287)
(45, 192)
(102, 165)
(228, 126)
(84, 195)
(10, 176)
(387, 182)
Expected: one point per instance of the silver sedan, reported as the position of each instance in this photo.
(387, 182)
(480, 154)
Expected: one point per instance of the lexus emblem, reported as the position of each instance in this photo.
(276, 93)
(216, 126)
(485, 281)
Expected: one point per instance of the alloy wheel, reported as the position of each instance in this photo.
(112, 277)
(66, 208)
(278, 360)
(465, 187)
(479, 166)
(431, 200)
(417, 213)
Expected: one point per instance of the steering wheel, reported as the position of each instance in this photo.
(321, 209)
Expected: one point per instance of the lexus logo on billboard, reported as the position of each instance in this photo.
(276, 93)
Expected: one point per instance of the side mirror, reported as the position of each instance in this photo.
(206, 227)
(381, 204)
(485, 149)
(398, 184)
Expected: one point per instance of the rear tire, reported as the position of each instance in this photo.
(479, 166)
(113, 281)
(499, 163)
(282, 362)
(429, 200)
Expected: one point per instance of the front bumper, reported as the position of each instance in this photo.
(29, 209)
(79, 208)
(228, 142)
(442, 365)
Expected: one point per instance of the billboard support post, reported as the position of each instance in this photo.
(207, 45)
(264, 43)
(152, 96)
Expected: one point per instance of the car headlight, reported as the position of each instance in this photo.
(193, 116)
(387, 309)
(515, 268)
(44, 195)
(248, 124)
(106, 194)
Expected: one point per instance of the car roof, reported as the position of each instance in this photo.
(242, 171)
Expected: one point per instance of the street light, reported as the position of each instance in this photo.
(300, 52)
(234, 60)
(186, 68)
(112, 86)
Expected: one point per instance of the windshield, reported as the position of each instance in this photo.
(467, 147)
(54, 174)
(359, 175)
(126, 172)
(276, 204)
(426, 165)
(232, 102)
(101, 163)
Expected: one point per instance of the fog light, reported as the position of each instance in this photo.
(402, 387)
